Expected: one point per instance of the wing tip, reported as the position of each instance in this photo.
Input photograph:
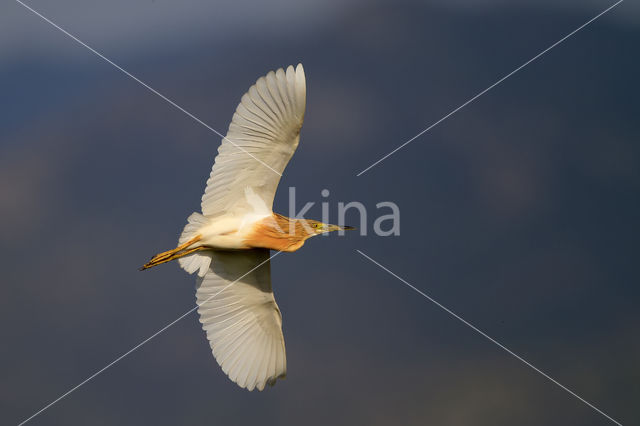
(258, 385)
(300, 75)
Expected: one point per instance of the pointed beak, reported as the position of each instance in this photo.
(340, 228)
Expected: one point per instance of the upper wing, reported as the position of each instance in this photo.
(241, 318)
(262, 137)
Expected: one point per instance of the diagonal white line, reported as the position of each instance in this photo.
(490, 87)
(482, 333)
(172, 103)
(124, 355)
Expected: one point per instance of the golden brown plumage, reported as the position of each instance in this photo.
(281, 233)
(275, 232)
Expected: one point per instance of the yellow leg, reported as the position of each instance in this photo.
(167, 256)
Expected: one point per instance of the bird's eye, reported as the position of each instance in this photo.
(314, 225)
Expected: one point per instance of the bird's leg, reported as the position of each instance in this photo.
(168, 253)
(180, 251)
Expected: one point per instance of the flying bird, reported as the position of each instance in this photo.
(229, 243)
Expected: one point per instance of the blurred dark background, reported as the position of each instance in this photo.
(520, 212)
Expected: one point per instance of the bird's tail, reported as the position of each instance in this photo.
(195, 261)
(190, 257)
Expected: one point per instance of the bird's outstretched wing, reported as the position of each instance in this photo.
(262, 137)
(241, 318)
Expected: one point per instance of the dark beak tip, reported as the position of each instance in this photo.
(349, 228)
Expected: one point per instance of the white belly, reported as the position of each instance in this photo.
(228, 232)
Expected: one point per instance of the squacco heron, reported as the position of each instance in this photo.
(228, 244)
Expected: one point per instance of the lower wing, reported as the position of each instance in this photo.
(241, 318)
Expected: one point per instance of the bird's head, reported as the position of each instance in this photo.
(299, 230)
(313, 227)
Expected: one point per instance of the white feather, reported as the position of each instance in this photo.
(198, 261)
(263, 135)
(242, 321)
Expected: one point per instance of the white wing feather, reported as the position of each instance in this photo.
(242, 320)
(263, 135)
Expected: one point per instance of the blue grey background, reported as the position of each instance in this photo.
(519, 213)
